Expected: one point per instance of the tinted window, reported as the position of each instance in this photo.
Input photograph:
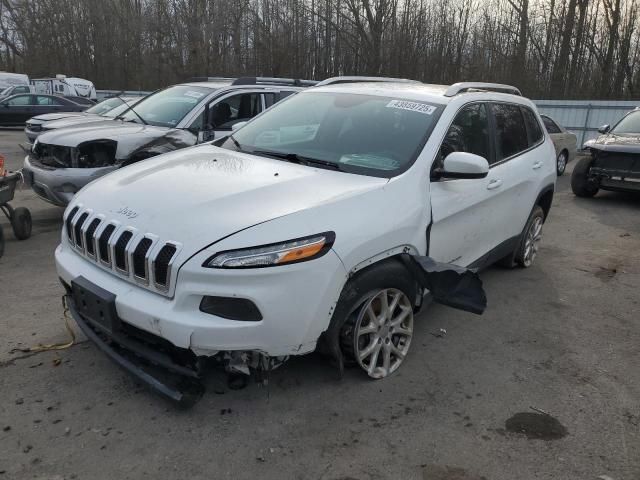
(469, 133)
(367, 134)
(629, 124)
(269, 99)
(21, 90)
(238, 108)
(511, 134)
(20, 100)
(550, 125)
(533, 127)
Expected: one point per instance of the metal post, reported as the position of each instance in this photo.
(586, 125)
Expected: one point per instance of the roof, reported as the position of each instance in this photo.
(439, 94)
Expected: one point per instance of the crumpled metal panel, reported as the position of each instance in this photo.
(449, 284)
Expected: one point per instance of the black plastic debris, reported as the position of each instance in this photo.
(449, 284)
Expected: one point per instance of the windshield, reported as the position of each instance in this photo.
(371, 135)
(629, 124)
(167, 107)
(119, 110)
(105, 106)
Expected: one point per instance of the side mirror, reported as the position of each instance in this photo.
(604, 129)
(206, 135)
(238, 125)
(463, 165)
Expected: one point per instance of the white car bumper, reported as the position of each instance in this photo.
(296, 303)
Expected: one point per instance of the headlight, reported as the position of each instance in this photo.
(291, 251)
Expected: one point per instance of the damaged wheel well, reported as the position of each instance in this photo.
(544, 200)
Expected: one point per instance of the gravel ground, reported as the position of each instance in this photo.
(562, 337)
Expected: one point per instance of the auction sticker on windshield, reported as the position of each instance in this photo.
(412, 106)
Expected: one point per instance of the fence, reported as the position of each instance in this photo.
(583, 117)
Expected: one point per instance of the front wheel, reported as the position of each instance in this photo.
(581, 185)
(378, 328)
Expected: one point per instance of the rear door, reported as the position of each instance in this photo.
(519, 164)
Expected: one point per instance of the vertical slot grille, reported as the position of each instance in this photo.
(77, 229)
(103, 243)
(121, 252)
(161, 264)
(70, 224)
(140, 258)
(88, 237)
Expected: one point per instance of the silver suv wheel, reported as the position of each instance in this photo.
(383, 332)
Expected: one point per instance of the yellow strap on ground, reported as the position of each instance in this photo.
(53, 346)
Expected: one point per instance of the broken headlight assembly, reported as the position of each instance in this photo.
(283, 253)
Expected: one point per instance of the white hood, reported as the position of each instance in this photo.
(201, 194)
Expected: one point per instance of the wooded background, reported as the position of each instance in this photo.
(549, 48)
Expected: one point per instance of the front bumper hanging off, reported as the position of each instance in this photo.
(172, 372)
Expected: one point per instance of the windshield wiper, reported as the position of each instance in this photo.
(299, 159)
(130, 107)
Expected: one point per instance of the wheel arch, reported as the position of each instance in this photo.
(329, 341)
(545, 199)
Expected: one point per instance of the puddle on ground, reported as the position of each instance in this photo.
(445, 472)
(536, 426)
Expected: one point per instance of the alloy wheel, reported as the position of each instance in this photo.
(383, 332)
(532, 241)
(561, 163)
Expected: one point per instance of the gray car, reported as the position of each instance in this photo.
(63, 161)
(105, 110)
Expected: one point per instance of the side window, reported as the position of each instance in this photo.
(22, 90)
(550, 125)
(469, 133)
(269, 99)
(511, 134)
(284, 94)
(238, 108)
(42, 100)
(20, 101)
(533, 127)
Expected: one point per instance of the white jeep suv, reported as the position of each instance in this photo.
(292, 234)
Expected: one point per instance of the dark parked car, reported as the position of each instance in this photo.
(17, 109)
(614, 159)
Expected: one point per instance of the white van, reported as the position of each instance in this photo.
(13, 83)
(65, 86)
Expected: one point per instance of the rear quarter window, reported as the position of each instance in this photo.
(534, 130)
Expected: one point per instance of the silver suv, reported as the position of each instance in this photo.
(63, 161)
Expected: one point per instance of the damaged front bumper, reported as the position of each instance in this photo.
(58, 185)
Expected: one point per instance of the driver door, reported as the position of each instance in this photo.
(466, 213)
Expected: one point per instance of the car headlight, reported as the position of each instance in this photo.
(284, 253)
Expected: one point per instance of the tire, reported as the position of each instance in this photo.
(580, 183)
(360, 312)
(561, 162)
(530, 241)
(1, 241)
(21, 223)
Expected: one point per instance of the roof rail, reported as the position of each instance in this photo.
(210, 79)
(355, 79)
(462, 87)
(295, 82)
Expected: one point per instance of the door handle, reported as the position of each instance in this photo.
(495, 183)
(536, 165)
